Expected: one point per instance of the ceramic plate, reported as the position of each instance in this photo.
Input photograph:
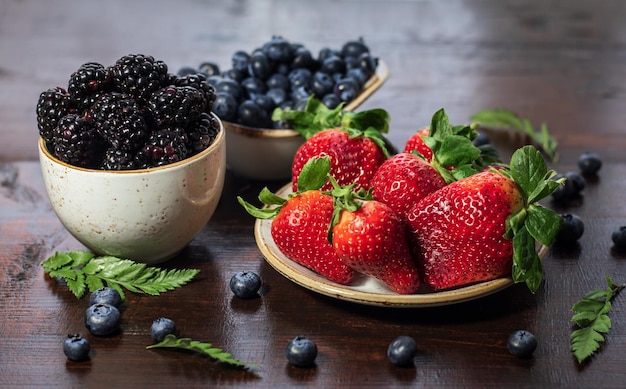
(364, 289)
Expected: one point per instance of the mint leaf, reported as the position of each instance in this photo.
(543, 224)
(87, 272)
(207, 349)
(503, 118)
(592, 319)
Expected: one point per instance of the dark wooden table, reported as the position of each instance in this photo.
(561, 63)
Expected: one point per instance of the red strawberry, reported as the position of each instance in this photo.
(403, 180)
(353, 141)
(352, 159)
(484, 226)
(300, 230)
(372, 240)
(301, 223)
(416, 143)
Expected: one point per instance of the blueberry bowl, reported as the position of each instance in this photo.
(147, 215)
(267, 154)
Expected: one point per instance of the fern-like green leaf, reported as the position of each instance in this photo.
(84, 271)
(592, 319)
(171, 341)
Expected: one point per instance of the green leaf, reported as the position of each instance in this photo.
(543, 224)
(592, 319)
(503, 118)
(207, 349)
(259, 213)
(314, 174)
(526, 263)
(87, 272)
(269, 198)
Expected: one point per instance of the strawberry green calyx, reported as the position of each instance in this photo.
(533, 222)
(345, 198)
(317, 117)
(452, 147)
(313, 176)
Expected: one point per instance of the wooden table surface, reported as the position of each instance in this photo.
(559, 62)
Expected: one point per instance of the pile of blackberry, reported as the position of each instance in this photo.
(131, 115)
(284, 74)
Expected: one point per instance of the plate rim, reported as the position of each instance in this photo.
(308, 279)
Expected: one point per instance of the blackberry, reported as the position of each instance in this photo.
(117, 159)
(89, 81)
(139, 75)
(176, 106)
(119, 120)
(52, 105)
(201, 134)
(199, 82)
(76, 142)
(163, 147)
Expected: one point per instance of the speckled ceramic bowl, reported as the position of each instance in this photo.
(267, 154)
(146, 215)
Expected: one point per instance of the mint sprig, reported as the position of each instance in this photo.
(503, 118)
(171, 341)
(592, 320)
(84, 271)
(533, 223)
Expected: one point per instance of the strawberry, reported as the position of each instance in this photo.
(403, 180)
(370, 237)
(301, 223)
(353, 141)
(416, 143)
(485, 226)
(372, 240)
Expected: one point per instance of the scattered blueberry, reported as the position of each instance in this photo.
(481, 139)
(572, 228)
(619, 237)
(102, 319)
(589, 163)
(522, 344)
(301, 351)
(106, 295)
(570, 189)
(245, 284)
(402, 351)
(162, 327)
(76, 347)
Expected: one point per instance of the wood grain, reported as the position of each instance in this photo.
(555, 62)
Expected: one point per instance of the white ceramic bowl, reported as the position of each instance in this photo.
(146, 215)
(267, 154)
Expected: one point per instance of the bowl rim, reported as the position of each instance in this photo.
(380, 76)
(219, 139)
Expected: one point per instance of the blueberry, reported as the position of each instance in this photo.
(354, 48)
(251, 114)
(357, 75)
(322, 84)
(572, 228)
(186, 70)
(368, 63)
(209, 68)
(301, 351)
(346, 89)
(279, 81)
(260, 66)
(481, 139)
(106, 295)
(302, 59)
(245, 284)
(589, 163)
(402, 351)
(265, 102)
(324, 53)
(240, 61)
(522, 344)
(279, 95)
(161, 327)
(577, 180)
(225, 107)
(278, 49)
(76, 347)
(619, 237)
(231, 87)
(331, 101)
(333, 64)
(300, 77)
(569, 189)
(253, 86)
(102, 319)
